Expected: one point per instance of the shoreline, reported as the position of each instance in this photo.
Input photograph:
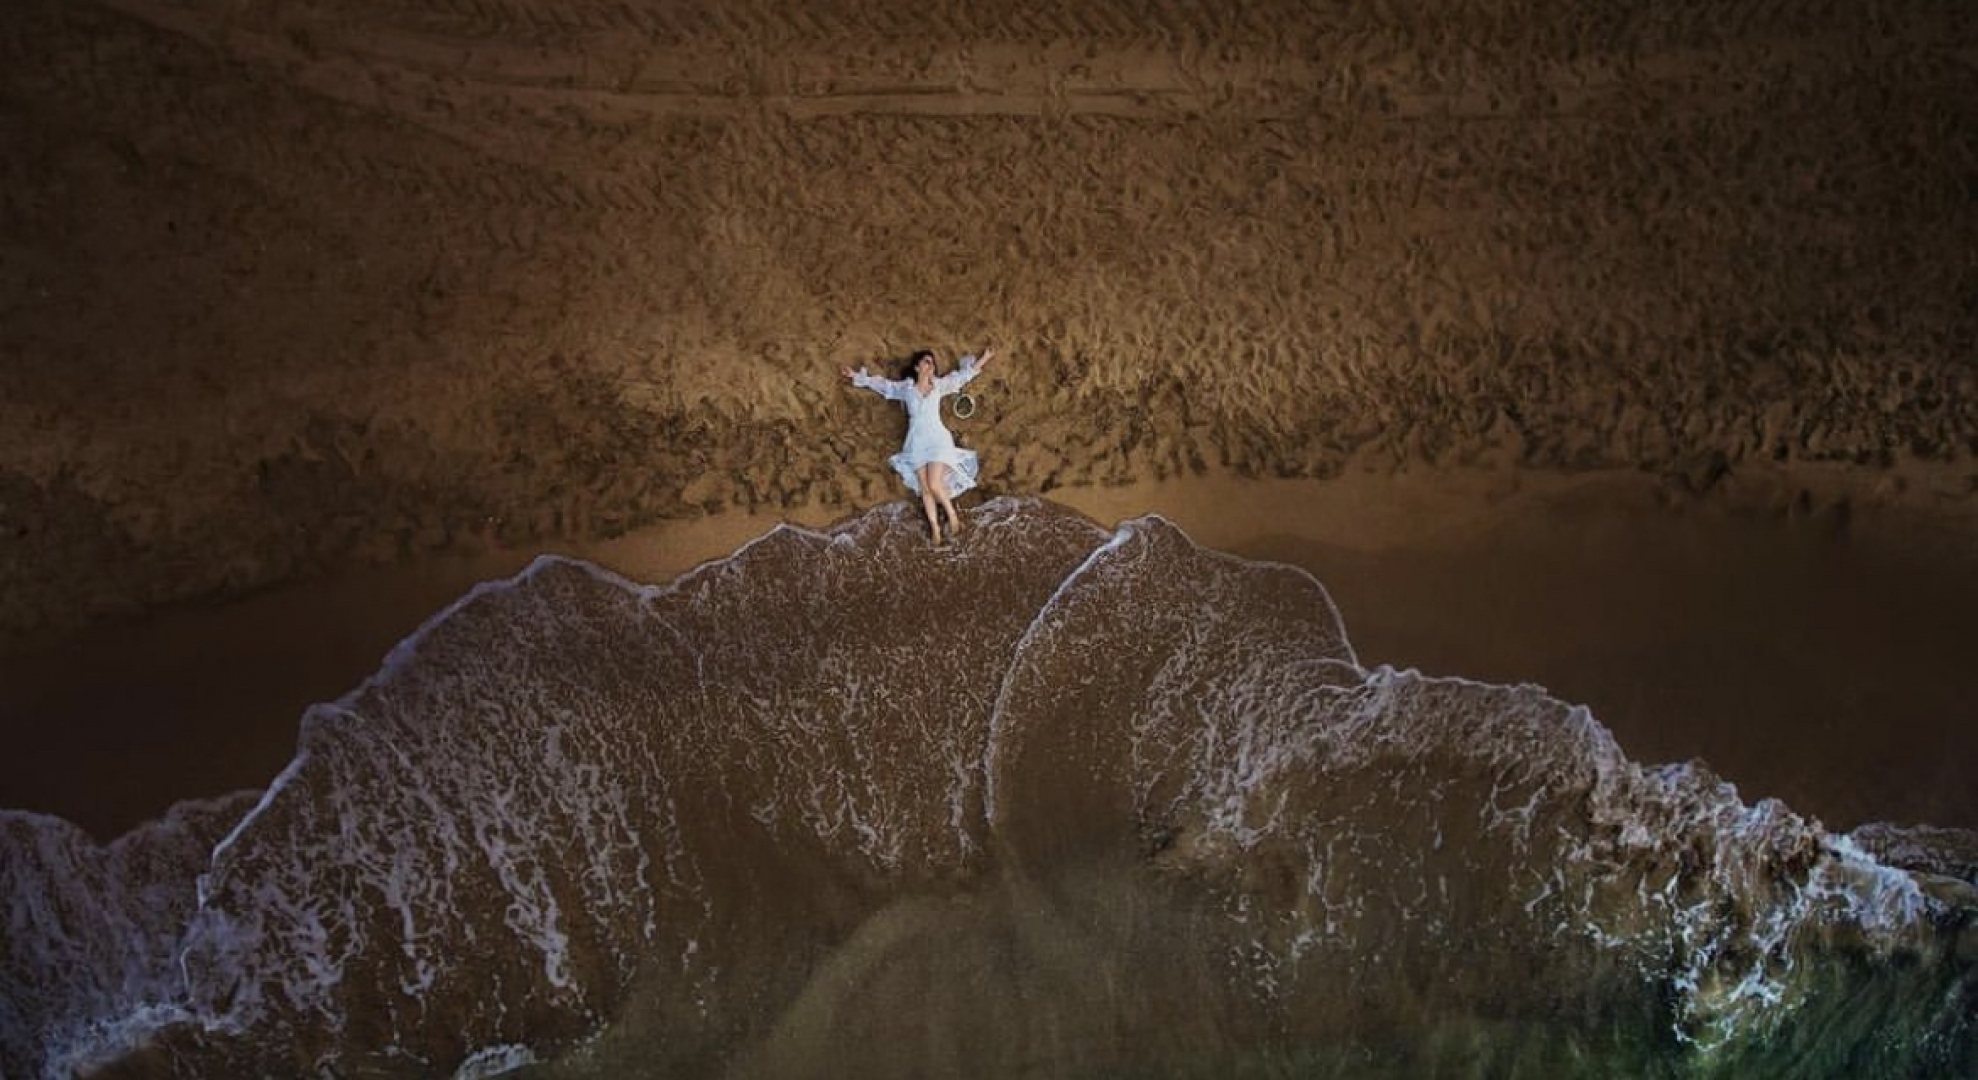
(1811, 656)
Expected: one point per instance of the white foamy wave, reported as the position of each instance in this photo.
(1393, 830)
(493, 1061)
(569, 796)
(89, 960)
(1927, 849)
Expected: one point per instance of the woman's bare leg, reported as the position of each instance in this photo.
(941, 496)
(928, 504)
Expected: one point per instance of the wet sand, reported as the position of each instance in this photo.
(1821, 659)
(1835, 677)
(1809, 659)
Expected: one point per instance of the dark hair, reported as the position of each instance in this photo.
(912, 362)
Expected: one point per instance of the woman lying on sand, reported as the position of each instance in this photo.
(932, 465)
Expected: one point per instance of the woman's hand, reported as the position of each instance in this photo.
(983, 360)
(846, 372)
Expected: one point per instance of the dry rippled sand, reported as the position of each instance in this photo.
(291, 287)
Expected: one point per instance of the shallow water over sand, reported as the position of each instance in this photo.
(1801, 665)
(1799, 661)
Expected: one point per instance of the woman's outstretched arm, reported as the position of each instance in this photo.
(971, 366)
(883, 387)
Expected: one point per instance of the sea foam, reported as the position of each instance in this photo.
(574, 816)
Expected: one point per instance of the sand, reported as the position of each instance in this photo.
(1808, 659)
(292, 289)
(311, 316)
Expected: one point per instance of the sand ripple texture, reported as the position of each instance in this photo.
(292, 285)
(1052, 801)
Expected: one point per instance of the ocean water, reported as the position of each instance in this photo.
(1054, 801)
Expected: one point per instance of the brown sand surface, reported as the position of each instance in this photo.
(1808, 659)
(290, 288)
(312, 314)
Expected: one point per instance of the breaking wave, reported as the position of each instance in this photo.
(1055, 800)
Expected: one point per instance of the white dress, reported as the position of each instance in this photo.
(928, 439)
